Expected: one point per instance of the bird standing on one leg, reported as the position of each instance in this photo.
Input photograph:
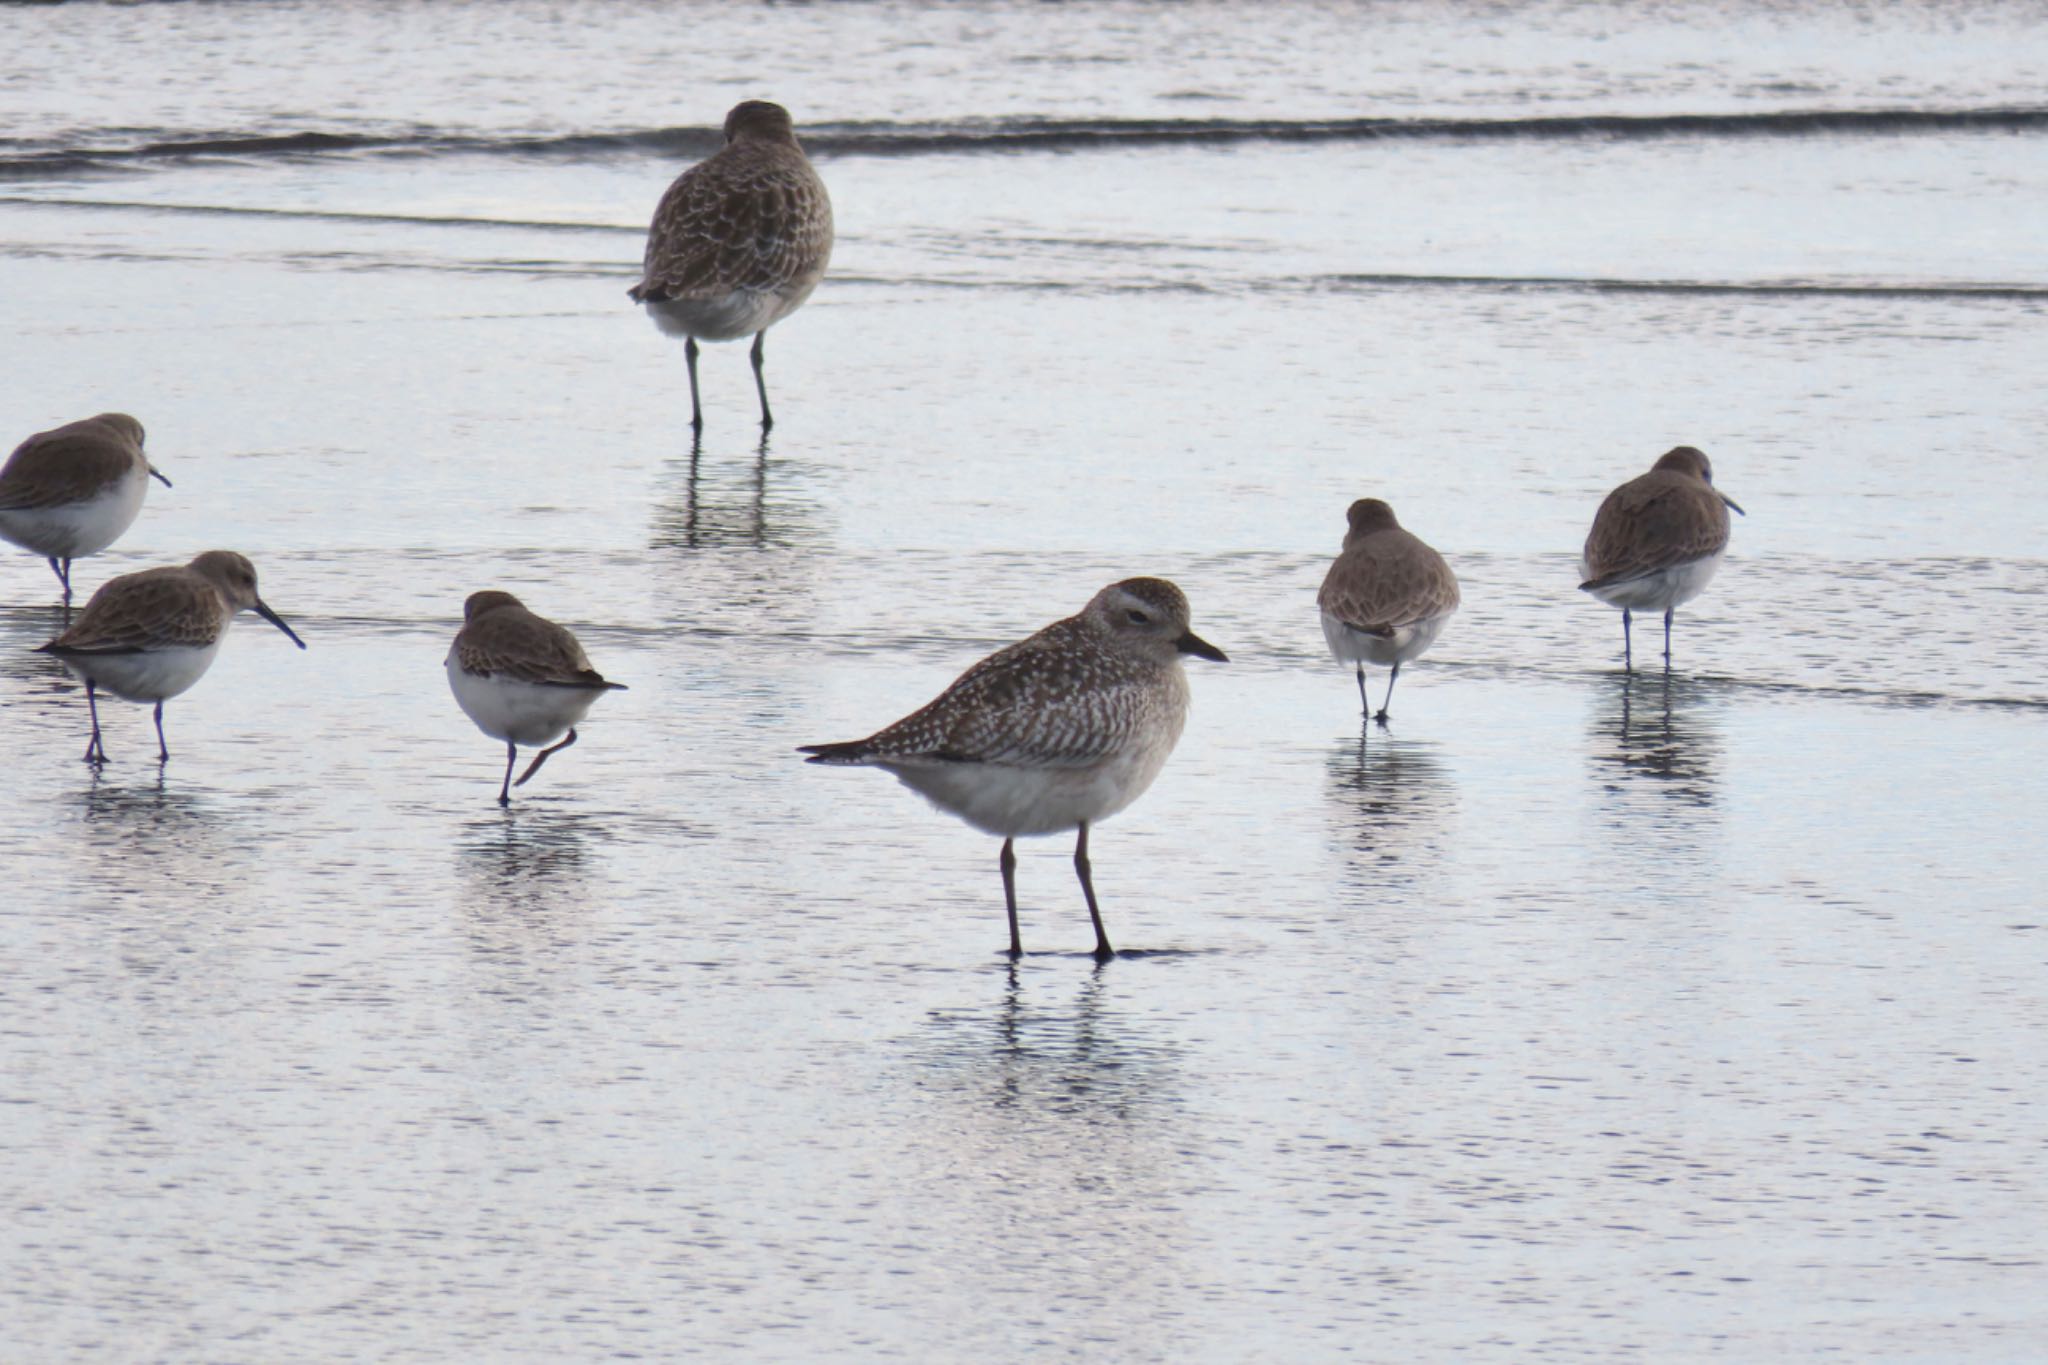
(71, 491)
(522, 679)
(1656, 542)
(149, 636)
(1386, 598)
(738, 242)
(1056, 732)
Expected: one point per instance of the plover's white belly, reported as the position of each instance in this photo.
(1005, 799)
(147, 675)
(728, 316)
(1357, 646)
(521, 712)
(1663, 588)
(73, 530)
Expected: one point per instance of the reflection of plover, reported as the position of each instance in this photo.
(1053, 733)
(1386, 598)
(71, 491)
(148, 636)
(521, 678)
(1657, 540)
(738, 242)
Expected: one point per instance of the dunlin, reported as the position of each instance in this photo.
(521, 678)
(1386, 598)
(1056, 732)
(738, 242)
(1657, 540)
(71, 491)
(149, 636)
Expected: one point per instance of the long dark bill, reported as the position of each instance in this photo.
(1192, 643)
(267, 614)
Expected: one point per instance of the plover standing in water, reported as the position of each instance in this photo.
(71, 491)
(149, 636)
(1056, 732)
(522, 679)
(1656, 541)
(1386, 598)
(738, 242)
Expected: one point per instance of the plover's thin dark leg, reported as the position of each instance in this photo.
(1008, 863)
(696, 408)
(163, 750)
(1364, 702)
(1667, 638)
(542, 757)
(95, 752)
(505, 787)
(1082, 870)
(1382, 716)
(760, 384)
(1628, 664)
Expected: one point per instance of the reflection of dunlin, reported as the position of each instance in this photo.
(1661, 734)
(1393, 794)
(1657, 540)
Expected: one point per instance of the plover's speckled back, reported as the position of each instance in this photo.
(1055, 732)
(149, 636)
(1657, 540)
(71, 491)
(521, 678)
(1386, 598)
(738, 242)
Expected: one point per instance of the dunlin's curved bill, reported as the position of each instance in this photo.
(1656, 542)
(1056, 732)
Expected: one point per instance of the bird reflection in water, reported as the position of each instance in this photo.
(185, 841)
(525, 859)
(1662, 738)
(1390, 798)
(699, 519)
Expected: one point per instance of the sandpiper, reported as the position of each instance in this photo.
(521, 678)
(1386, 598)
(738, 242)
(149, 636)
(1657, 540)
(1056, 732)
(71, 491)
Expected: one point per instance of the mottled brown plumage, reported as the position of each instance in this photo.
(500, 638)
(71, 491)
(1656, 542)
(1386, 597)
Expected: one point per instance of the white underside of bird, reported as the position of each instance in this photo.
(519, 712)
(728, 316)
(1398, 646)
(1016, 802)
(1660, 589)
(74, 530)
(145, 675)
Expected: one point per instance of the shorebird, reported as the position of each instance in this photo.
(738, 242)
(1386, 598)
(149, 636)
(1657, 540)
(521, 678)
(1056, 732)
(71, 491)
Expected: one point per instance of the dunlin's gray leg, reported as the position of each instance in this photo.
(163, 750)
(760, 384)
(1364, 702)
(696, 408)
(1667, 638)
(1008, 863)
(62, 568)
(505, 787)
(95, 752)
(1081, 869)
(1628, 664)
(542, 757)
(1382, 716)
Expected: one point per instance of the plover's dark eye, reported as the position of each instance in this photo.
(1138, 618)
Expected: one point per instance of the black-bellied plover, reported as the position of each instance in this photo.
(1056, 732)
(149, 636)
(1657, 540)
(521, 678)
(71, 491)
(738, 242)
(1386, 598)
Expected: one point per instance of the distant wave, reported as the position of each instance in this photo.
(23, 160)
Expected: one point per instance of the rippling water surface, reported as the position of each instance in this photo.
(1572, 1017)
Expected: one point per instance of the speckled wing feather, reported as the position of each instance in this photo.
(1388, 580)
(49, 468)
(1657, 521)
(154, 609)
(512, 642)
(751, 217)
(1057, 699)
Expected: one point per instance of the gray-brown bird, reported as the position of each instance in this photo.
(738, 242)
(1386, 598)
(71, 491)
(1656, 542)
(521, 678)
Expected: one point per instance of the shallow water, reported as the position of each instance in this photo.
(1571, 1017)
